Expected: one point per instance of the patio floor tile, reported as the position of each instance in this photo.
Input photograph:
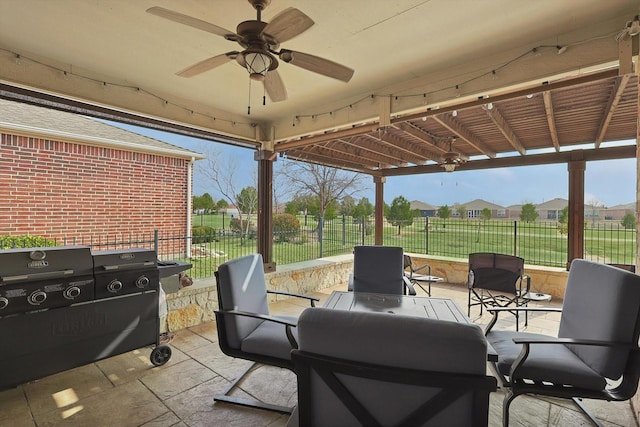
(180, 393)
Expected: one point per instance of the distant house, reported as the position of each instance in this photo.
(617, 212)
(426, 210)
(475, 208)
(70, 178)
(514, 211)
(551, 209)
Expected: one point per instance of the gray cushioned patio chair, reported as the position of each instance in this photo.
(380, 369)
(246, 330)
(597, 341)
(379, 269)
(497, 280)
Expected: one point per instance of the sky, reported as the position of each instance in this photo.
(607, 182)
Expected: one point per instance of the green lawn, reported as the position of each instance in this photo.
(538, 243)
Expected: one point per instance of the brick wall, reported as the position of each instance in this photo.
(70, 191)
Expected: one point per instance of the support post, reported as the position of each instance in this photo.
(379, 212)
(577, 166)
(265, 159)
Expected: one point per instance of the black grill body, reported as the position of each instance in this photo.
(64, 307)
(43, 278)
(123, 272)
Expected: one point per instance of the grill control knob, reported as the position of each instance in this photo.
(142, 282)
(37, 297)
(71, 292)
(3, 302)
(114, 286)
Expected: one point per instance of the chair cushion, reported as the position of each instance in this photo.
(241, 286)
(393, 340)
(549, 362)
(601, 302)
(378, 269)
(270, 339)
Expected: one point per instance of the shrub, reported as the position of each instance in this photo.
(25, 241)
(202, 234)
(629, 221)
(238, 225)
(285, 227)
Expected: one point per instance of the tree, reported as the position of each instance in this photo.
(400, 214)
(629, 221)
(221, 170)
(462, 211)
(208, 203)
(364, 208)
(528, 213)
(444, 212)
(222, 204)
(247, 203)
(347, 206)
(328, 185)
(563, 219)
(485, 215)
(300, 204)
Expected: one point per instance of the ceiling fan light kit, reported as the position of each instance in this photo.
(451, 159)
(261, 43)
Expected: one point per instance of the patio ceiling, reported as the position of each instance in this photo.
(487, 74)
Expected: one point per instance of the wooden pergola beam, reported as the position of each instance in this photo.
(551, 119)
(503, 126)
(618, 89)
(610, 153)
(463, 133)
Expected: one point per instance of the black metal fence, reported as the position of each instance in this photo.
(539, 243)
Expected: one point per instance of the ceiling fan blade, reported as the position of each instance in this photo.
(317, 65)
(275, 87)
(189, 20)
(207, 64)
(288, 24)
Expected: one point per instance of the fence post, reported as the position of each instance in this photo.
(515, 238)
(155, 241)
(363, 229)
(426, 236)
(344, 231)
(320, 228)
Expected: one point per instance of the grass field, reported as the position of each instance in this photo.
(538, 243)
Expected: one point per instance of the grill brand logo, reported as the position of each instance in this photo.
(127, 256)
(38, 264)
(80, 324)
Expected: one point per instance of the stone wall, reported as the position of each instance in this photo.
(196, 304)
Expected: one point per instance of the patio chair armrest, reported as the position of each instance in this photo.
(287, 323)
(257, 316)
(495, 311)
(422, 268)
(527, 280)
(409, 285)
(312, 300)
(573, 341)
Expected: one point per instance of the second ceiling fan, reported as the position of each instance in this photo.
(261, 43)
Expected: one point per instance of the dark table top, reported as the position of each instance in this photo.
(433, 308)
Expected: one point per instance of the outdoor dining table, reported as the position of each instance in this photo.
(433, 308)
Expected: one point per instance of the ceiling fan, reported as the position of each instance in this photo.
(451, 159)
(261, 43)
